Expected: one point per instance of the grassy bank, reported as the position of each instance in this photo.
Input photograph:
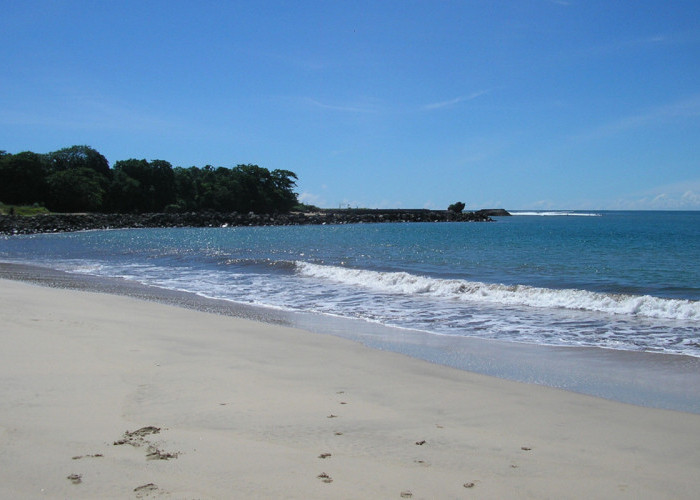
(27, 210)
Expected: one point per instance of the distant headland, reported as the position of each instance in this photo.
(75, 189)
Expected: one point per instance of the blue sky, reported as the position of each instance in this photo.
(522, 104)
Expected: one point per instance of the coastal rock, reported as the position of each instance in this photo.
(54, 223)
(495, 212)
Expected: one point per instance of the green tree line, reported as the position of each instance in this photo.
(79, 179)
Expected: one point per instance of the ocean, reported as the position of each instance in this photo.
(603, 280)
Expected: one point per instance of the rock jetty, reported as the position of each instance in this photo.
(54, 223)
(495, 212)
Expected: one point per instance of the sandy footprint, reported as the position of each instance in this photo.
(145, 490)
(96, 455)
(137, 439)
(325, 477)
(75, 478)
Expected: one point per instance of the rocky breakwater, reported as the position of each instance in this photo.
(54, 223)
(495, 212)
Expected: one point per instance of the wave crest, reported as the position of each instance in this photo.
(513, 295)
(558, 214)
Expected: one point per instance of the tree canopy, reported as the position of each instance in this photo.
(456, 207)
(76, 157)
(79, 179)
(22, 178)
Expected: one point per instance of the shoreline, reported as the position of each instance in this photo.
(217, 406)
(654, 380)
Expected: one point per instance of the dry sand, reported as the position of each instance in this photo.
(111, 397)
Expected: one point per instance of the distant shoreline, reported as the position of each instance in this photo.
(54, 223)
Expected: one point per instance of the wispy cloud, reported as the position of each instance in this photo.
(70, 104)
(643, 43)
(632, 43)
(661, 114)
(89, 116)
(455, 101)
(679, 196)
(689, 200)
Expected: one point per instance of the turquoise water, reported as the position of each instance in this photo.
(618, 280)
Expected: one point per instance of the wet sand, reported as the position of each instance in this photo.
(107, 396)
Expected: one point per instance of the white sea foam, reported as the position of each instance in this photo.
(558, 213)
(512, 295)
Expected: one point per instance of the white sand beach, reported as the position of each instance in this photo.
(106, 396)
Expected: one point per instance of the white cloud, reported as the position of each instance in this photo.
(680, 196)
(690, 200)
(659, 198)
(312, 199)
(691, 197)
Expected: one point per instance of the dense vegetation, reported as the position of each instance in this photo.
(457, 207)
(79, 179)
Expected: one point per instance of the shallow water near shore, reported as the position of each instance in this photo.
(645, 379)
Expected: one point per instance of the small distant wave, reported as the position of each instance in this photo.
(513, 295)
(558, 213)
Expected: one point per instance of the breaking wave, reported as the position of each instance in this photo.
(512, 295)
(558, 213)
